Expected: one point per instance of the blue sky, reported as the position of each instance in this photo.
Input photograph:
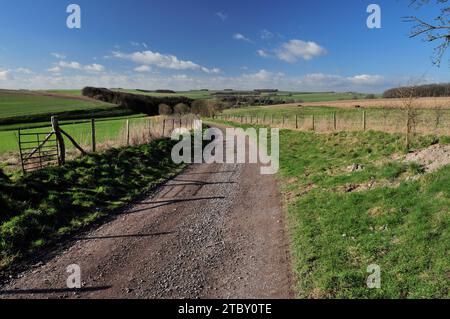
(178, 44)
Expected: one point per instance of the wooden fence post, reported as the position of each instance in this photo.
(334, 121)
(59, 139)
(164, 128)
(364, 121)
(21, 154)
(296, 121)
(313, 123)
(93, 135)
(128, 132)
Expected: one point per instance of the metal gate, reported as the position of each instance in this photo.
(38, 150)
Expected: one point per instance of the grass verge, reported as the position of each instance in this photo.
(43, 206)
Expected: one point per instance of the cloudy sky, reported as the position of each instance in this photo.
(179, 44)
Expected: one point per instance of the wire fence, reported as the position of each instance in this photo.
(425, 121)
(92, 136)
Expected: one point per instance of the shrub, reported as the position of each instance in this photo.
(206, 108)
(181, 108)
(164, 109)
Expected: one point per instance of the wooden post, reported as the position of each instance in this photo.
(313, 123)
(21, 154)
(335, 121)
(93, 135)
(39, 151)
(128, 132)
(296, 121)
(164, 128)
(60, 140)
(364, 121)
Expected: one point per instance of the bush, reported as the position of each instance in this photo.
(207, 108)
(181, 108)
(164, 109)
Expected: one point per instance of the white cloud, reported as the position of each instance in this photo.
(163, 61)
(142, 68)
(366, 79)
(94, 68)
(23, 70)
(222, 16)
(263, 53)
(246, 81)
(5, 75)
(73, 65)
(58, 55)
(266, 34)
(69, 65)
(55, 69)
(241, 37)
(295, 49)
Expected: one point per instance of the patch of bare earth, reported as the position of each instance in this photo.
(431, 158)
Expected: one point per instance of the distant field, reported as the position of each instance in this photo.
(65, 92)
(26, 103)
(282, 95)
(318, 97)
(189, 94)
(425, 103)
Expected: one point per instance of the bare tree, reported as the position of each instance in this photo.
(436, 31)
(408, 99)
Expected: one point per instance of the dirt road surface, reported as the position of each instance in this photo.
(215, 231)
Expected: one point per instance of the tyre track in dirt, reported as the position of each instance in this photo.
(214, 231)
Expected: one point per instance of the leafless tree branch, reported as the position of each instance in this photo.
(436, 31)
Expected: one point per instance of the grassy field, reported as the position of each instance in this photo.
(64, 92)
(341, 221)
(17, 103)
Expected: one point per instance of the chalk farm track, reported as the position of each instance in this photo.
(215, 231)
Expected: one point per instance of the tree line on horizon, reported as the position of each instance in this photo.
(427, 90)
